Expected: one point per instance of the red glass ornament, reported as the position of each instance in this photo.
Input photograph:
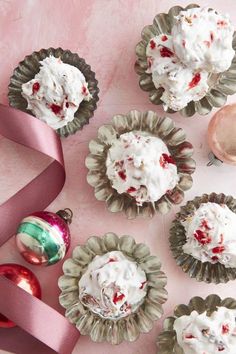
(23, 278)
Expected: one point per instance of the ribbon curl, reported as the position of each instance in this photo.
(25, 130)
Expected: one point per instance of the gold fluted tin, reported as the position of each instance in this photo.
(30, 66)
(150, 122)
(167, 340)
(126, 328)
(207, 272)
(220, 85)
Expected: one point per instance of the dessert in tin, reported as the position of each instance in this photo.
(210, 234)
(56, 91)
(113, 286)
(198, 333)
(200, 43)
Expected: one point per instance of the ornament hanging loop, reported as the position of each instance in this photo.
(66, 214)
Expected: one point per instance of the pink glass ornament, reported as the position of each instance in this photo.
(43, 238)
(222, 134)
(23, 278)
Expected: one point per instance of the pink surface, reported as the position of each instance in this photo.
(104, 32)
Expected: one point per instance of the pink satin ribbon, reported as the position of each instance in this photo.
(31, 314)
(38, 319)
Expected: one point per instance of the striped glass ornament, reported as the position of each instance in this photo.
(43, 238)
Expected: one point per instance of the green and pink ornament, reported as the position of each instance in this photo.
(43, 238)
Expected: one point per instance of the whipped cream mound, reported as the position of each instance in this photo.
(160, 55)
(181, 84)
(141, 165)
(200, 44)
(202, 334)
(202, 39)
(55, 93)
(211, 234)
(113, 286)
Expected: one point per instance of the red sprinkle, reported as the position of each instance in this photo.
(165, 159)
(128, 308)
(122, 175)
(221, 238)
(35, 87)
(130, 158)
(205, 225)
(218, 249)
(222, 23)
(189, 336)
(166, 52)
(195, 80)
(131, 190)
(143, 284)
(212, 36)
(183, 43)
(207, 43)
(67, 104)
(55, 108)
(164, 38)
(202, 237)
(225, 329)
(119, 163)
(112, 260)
(152, 44)
(118, 298)
(221, 349)
(149, 61)
(215, 258)
(84, 91)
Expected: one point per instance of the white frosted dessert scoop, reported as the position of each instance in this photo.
(211, 234)
(55, 93)
(202, 39)
(141, 165)
(113, 286)
(200, 44)
(202, 334)
(181, 84)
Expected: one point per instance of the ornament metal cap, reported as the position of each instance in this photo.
(213, 160)
(66, 214)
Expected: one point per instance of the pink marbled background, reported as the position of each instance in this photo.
(105, 33)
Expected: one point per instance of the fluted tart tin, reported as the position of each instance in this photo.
(149, 122)
(201, 271)
(220, 84)
(30, 66)
(167, 339)
(104, 329)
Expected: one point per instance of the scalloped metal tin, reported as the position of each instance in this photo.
(149, 122)
(221, 85)
(167, 341)
(207, 272)
(127, 328)
(30, 66)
